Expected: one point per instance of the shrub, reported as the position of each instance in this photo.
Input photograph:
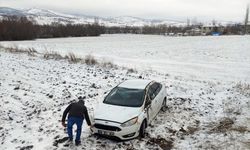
(31, 52)
(131, 70)
(90, 60)
(73, 58)
(15, 49)
(52, 55)
(108, 64)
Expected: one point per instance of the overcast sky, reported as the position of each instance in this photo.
(203, 10)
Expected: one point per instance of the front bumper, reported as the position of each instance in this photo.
(112, 129)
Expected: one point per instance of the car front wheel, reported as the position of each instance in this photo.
(143, 129)
(164, 105)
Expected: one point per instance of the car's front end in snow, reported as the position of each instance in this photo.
(121, 123)
(116, 130)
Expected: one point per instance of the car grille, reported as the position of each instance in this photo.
(106, 127)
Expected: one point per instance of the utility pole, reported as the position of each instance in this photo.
(246, 20)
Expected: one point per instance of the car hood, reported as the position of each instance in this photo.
(115, 113)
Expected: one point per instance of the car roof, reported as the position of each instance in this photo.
(135, 84)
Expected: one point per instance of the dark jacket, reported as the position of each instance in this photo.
(77, 109)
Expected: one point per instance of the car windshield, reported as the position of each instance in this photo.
(125, 97)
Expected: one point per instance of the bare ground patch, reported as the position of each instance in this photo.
(226, 125)
(161, 142)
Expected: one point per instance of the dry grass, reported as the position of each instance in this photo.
(31, 52)
(241, 129)
(131, 70)
(73, 58)
(52, 55)
(108, 64)
(15, 49)
(192, 130)
(223, 126)
(90, 60)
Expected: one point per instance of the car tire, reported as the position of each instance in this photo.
(142, 129)
(164, 105)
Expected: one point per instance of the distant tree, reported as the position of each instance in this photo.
(17, 28)
(21, 28)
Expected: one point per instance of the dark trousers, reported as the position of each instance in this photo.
(71, 122)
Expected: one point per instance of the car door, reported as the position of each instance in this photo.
(158, 96)
(154, 101)
(148, 108)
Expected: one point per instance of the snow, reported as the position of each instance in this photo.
(42, 12)
(206, 80)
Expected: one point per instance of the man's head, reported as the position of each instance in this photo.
(81, 99)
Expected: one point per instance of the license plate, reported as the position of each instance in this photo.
(105, 132)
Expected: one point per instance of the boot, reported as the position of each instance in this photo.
(78, 143)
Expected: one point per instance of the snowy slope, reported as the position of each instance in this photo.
(42, 16)
(207, 79)
(34, 92)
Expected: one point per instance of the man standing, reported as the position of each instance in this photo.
(77, 112)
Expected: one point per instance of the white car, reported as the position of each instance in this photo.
(129, 108)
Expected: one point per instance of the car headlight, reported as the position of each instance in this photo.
(130, 122)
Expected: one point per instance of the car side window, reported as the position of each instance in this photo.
(159, 87)
(154, 90)
(151, 91)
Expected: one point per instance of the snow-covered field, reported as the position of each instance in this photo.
(209, 57)
(207, 78)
